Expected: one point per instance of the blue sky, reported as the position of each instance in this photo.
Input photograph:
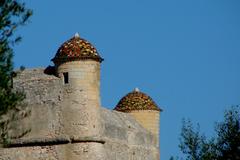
(184, 53)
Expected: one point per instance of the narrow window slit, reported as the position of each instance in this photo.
(66, 77)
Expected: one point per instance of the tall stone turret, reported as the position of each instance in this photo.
(143, 109)
(77, 63)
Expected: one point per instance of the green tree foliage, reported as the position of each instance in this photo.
(228, 136)
(12, 15)
(225, 145)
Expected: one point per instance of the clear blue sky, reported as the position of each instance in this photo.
(184, 53)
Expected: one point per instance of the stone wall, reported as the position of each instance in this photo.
(125, 139)
(120, 136)
(75, 151)
(43, 98)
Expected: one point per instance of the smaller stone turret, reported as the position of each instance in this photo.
(143, 109)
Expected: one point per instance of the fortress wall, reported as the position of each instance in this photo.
(122, 151)
(39, 87)
(122, 127)
(75, 151)
(33, 153)
(82, 151)
(43, 99)
(126, 139)
(85, 151)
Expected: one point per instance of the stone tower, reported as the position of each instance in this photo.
(143, 109)
(77, 63)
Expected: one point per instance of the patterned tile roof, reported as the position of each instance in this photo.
(76, 49)
(136, 100)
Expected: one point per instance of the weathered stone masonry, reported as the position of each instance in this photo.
(66, 120)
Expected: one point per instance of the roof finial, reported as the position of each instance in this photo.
(76, 35)
(136, 89)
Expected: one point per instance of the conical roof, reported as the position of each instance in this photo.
(76, 48)
(136, 100)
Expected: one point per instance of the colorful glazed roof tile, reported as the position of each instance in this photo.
(136, 100)
(76, 49)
